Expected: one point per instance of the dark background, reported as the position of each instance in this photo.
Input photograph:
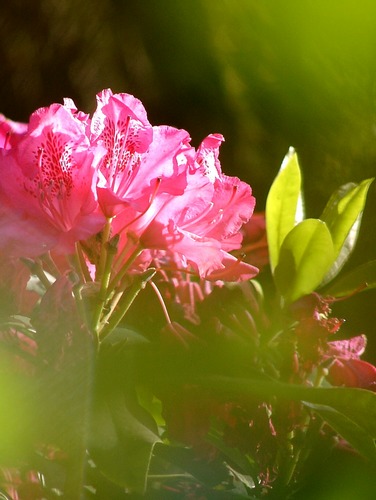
(266, 74)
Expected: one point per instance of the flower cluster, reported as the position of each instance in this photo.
(64, 174)
(137, 351)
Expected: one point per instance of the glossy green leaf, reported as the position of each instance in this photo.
(284, 206)
(343, 215)
(353, 433)
(359, 279)
(343, 209)
(344, 252)
(305, 257)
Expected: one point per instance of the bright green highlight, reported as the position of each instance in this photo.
(283, 208)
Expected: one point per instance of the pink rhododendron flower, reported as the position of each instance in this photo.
(202, 225)
(48, 181)
(21, 234)
(141, 161)
(162, 194)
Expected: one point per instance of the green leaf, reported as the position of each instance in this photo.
(120, 442)
(353, 412)
(359, 405)
(343, 214)
(305, 257)
(242, 461)
(122, 433)
(353, 433)
(284, 206)
(211, 473)
(359, 279)
(122, 337)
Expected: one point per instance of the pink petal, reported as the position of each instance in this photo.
(348, 349)
(353, 373)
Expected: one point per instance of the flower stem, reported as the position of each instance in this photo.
(103, 255)
(81, 263)
(139, 282)
(37, 269)
(105, 279)
(120, 275)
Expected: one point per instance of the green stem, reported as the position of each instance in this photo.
(105, 280)
(115, 300)
(51, 266)
(37, 269)
(80, 263)
(103, 256)
(79, 383)
(139, 282)
(296, 452)
(120, 275)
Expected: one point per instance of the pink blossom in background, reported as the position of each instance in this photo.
(48, 180)
(342, 357)
(347, 368)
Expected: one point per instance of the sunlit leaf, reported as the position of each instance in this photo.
(353, 433)
(284, 205)
(152, 404)
(305, 257)
(343, 214)
(344, 252)
(359, 279)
